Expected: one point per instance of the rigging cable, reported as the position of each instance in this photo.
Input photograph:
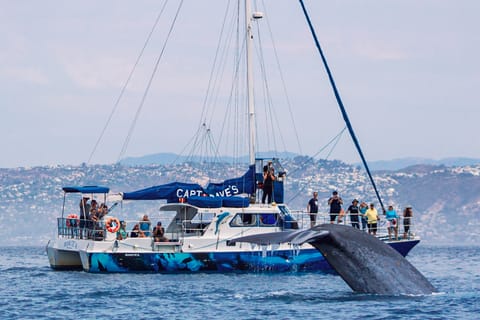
(268, 103)
(212, 83)
(137, 114)
(115, 106)
(335, 141)
(340, 103)
(287, 97)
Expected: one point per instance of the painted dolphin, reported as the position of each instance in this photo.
(365, 263)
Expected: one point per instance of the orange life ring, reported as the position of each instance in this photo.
(72, 220)
(112, 225)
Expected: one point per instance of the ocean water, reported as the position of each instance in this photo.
(31, 290)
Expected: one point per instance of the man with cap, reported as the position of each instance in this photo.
(335, 203)
(353, 209)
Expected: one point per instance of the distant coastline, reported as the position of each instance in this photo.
(391, 165)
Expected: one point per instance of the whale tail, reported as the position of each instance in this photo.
(365, 263)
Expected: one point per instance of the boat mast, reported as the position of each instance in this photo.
(250, 99)
(340, 104)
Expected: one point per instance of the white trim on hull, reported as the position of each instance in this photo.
(64, 254)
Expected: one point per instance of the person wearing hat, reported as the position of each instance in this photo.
(353, 209)
(407, 220)
(335, 203)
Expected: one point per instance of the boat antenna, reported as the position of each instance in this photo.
(251, 105)
(340, 103)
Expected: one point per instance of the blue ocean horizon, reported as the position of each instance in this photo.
(31, 289)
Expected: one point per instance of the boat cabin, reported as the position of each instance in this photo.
(189, 220)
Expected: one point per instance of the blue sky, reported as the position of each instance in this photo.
(408, 72)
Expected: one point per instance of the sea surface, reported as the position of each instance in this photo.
(29, 289)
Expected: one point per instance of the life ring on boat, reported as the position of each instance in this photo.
(72, 220)
(112, 225)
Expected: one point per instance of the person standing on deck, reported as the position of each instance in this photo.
(268, 178)
(392, 218)
(84, 214)
(312, 208)
(363, 210)
(335, 203)
(353, 209)
(407, 221)
(372, 218)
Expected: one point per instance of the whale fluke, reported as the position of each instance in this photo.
(365, 263)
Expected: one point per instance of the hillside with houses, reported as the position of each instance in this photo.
(446, 200)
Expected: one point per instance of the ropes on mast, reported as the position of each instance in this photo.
(115, 106)
(140, 107)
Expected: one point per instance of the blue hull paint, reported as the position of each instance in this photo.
(271, 261)
(404, 247)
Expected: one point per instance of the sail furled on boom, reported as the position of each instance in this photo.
(174, 191)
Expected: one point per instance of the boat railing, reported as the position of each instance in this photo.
(81, 229)
(193, 228)
(75, 228)
(303, 220)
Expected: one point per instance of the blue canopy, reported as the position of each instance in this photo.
(86, 189)
(174, 191)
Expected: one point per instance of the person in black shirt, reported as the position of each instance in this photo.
(335, 203)
(353, 209)
(84, 214)
(268, 178)
(312, 208)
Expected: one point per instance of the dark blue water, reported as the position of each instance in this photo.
(29, 289)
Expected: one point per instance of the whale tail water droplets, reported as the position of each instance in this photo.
(365, 263)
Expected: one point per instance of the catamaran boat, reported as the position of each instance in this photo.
(204, 220)
(199, 236)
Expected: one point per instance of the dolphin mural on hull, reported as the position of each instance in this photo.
(365, 263)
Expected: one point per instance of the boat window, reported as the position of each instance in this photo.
(268, 219)
(255, 220)
(244, 220)
(203, 217)
(289, 222)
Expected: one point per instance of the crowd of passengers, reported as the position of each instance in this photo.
(91, 227)
(142, 230)
(362, 215)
